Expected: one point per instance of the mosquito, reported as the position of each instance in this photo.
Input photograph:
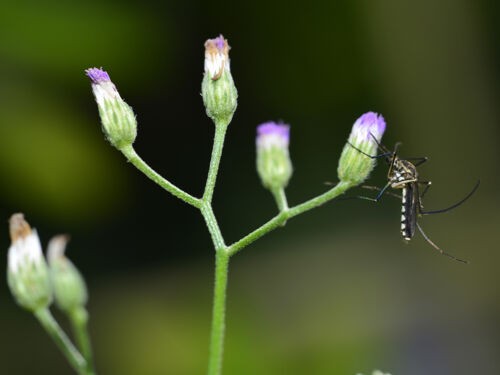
(402, 174)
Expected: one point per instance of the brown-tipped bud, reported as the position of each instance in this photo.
(218, 90)
(27, 271)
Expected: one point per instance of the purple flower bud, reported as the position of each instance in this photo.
(104, 90)
(355, 165)
(368, 126)
(97, 75)
(271, 134)
(117, 118)
(273, 159)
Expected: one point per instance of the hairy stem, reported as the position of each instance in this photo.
(283, 216)
(213, 227)
(220, 134)
(218, 314)
(223, 252)
(140, 164)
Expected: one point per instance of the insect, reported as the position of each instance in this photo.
(402, 174)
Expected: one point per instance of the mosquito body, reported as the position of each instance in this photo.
(402, 174)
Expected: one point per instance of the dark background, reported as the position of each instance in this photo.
(336, 291)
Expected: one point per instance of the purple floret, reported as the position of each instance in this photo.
(97, 75)
(373, 123)
(271, 128)
(220, 42)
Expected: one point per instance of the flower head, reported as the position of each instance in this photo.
(27, 272)
(273, 160)
(216, 57)
(368, 128)
(355, 164)
(218, 90)
(117, 118)
(70, 291)
(271, 134)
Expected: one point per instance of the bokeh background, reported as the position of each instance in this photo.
(336, 291)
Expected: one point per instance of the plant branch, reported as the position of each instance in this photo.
(218, 314)
(283, 216)
(140, 164)
(220, 134)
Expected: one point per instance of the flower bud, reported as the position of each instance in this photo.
(355, 164)
(70, 291)
(218, 89)
(27, 271)
(273, 160)
(117, 118)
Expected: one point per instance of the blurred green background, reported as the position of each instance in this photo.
(336, 291)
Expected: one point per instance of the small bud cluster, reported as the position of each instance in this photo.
(117, 118)
(273, 159)
(218, 90)
(32, 282)
(355, 164)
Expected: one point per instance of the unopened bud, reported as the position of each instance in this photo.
(117, 118)
(27, 271)
(357, 161)
(218, 89)
(70, 291)
(273, 159)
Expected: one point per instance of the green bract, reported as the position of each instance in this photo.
(220, 97)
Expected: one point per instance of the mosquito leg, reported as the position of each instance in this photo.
(376, 188)
(383, 148)
(419, 161)
(454, 205)
(377, 198)
(438, 248)
(382, 191)
(385, 154)
(427, 186)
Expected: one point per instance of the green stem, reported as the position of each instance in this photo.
(283, 216)
(222, 252)
(213, 226)
(220, 134)
(280, 198)
(218, 314)
(334, 192)
(62, 341)
(79, 320)
(140, 164)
